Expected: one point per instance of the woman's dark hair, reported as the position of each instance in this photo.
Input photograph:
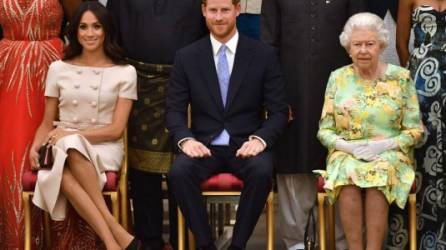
(111, 48)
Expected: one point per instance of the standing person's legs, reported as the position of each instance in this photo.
(296, 196)
(249, 25)
(149, 154)
(256, 173)
(173, 218)
(146, 194)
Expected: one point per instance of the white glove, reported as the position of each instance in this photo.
(348, 147)
(372, 149)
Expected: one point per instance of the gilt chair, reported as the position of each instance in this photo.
(226, 184)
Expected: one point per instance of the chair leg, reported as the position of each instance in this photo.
(412, 221)
(228, 214)
(321, 218)
(331, 227)
(181, 231)
(220, 219)
(47, 231)
(191, 239)
(115, 205)
(270, 221)
(213, 218)
(26, 196)
(124, 207)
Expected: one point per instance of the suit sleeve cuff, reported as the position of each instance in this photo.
(258, 138)
(180, 142)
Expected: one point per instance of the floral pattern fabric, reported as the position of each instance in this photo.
(357, 110)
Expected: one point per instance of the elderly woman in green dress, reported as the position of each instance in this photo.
(370, 123)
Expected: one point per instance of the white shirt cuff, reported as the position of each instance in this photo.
(258, 138)
(180, 142)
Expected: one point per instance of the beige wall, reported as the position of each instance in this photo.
(251, 6)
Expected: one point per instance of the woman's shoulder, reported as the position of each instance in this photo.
(343, 71)
(396, 68)
(124, 69)
(57, 64)
(397, 71)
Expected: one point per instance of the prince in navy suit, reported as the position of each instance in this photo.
(229, 81)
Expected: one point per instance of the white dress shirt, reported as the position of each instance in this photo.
(230, 51)
(231, 45)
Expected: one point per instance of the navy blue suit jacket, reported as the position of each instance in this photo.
(255, 86)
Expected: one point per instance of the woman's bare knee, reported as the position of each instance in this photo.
(68, 183)
(75, 157)
(350, 192)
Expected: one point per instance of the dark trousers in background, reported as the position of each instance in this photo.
(187, 174)
(249, 25)
(146, 193)
(380, 7)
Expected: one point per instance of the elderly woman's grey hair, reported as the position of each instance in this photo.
(364, 20)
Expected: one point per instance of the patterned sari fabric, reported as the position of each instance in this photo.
(355, 110)
(428, 68)
(30, 44)
(150, 148)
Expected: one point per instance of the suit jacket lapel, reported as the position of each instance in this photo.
(242, 59)
(207, 65)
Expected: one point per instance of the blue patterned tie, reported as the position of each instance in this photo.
(223, 80)
(223, 73)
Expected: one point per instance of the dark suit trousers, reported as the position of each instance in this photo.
(146, 192)
(187, 174)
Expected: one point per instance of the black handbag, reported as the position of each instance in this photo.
(46, 156)
(310, 232)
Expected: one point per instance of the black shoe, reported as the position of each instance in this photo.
(135, 244)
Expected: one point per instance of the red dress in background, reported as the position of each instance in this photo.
(31, 30)
(30, 43)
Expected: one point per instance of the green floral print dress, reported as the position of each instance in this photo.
(358, 110)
